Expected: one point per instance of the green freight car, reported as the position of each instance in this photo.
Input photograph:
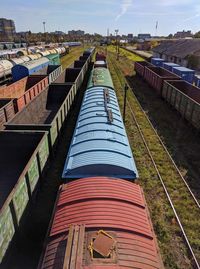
(23, 156)
(100, 77)
(54, 59)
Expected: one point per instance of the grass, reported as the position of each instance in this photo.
(124, 53)
(173, 249)
(74, 54)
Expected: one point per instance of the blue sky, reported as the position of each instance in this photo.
(129, 16)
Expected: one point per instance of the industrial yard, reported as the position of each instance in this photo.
(99, 135)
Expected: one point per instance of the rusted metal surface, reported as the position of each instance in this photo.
(87, 205)
(140, 67)
(155, 77)
(24, 90)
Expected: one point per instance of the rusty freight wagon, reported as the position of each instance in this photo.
(23, 156)
(140, 67)
(47, 111)
(185, 98)
(22, 92)
(155, 77)
(7, 111)
(100, 223)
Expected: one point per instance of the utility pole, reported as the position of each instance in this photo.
(44, 30)
(44, 26)
(125, 95)
(116, 32)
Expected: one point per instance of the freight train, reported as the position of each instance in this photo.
(6, 65)
(26, 148)
(179, 93)
(100, 219)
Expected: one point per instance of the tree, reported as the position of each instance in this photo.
(197, 35)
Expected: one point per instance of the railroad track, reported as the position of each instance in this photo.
(185, 206)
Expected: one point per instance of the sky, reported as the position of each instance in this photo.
(96, 16)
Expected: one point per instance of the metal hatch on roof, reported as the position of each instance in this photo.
(100, 145)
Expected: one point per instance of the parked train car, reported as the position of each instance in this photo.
(100, 56)
(19, 176)
(155, 76)
(53, 59)
(100, 145)
(185, 98)
(181, 94)
(5, 69)
(100, 64)
(100, 77)
(100, 223)
(52, 71)
(140, 67)
(17, 95)
(46, 112)
(20, 71)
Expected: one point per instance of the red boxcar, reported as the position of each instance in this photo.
(100, 223)
(155, 77)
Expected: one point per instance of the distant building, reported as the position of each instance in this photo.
(58, 33)
(185, 52)
(76, 33)
(130, 37)
(144, 36)
(7, 30)
(183, 34)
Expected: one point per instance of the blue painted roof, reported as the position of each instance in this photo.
(171, 64)
(183, 69)
(100, 145)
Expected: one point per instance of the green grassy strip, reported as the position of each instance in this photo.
(73, 55)
(173, 249)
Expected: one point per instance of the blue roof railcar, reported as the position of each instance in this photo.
(100, 146)
(20, 71)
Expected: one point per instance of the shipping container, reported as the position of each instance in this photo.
(100, 223)
(100, 146)
(7, 111)
(169, 66)
(155, 77)
(185, 73)
(185, 98)
(24, 90)
(140, 67)
(47, 111)
(23, 156)
(157, 62)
